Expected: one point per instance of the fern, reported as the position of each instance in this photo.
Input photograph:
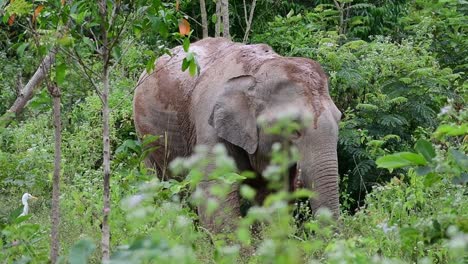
(361, 6)
(392, 120)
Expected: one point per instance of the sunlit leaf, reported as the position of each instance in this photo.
(192, 68)
(400, 160)
(247, 192)
(150, 65)
(185, 64)
(186, 44)
(184, 27)
(451, 130)
(303, 193)
(243, 234)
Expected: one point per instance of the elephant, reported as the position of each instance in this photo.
(236, 85)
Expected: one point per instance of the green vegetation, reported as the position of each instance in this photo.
(397, 72)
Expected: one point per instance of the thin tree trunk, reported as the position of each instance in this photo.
(28, 91)
(55, 215)
(218, 19)
(105, 240)
(249, 22)
(106, 165)
(341, 11)
(204, 18)
(225, 14)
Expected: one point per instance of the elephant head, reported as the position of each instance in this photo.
(301, 89)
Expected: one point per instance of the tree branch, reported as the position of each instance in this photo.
(28, 91)
(249, 23)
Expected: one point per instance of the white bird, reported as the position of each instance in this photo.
(24, 200)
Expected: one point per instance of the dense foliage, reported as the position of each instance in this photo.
(397, 71)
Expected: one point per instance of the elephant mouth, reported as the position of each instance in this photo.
(295, 181)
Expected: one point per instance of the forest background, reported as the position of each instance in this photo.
(397, 72)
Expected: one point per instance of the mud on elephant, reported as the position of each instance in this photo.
(237, 85)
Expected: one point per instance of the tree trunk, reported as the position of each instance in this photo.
(218, 19)
(55, 215)
(249, 22)
(340, 9)
(204, 18)
(105, 240)
(106, 165)
(225, 15)
(28, 91)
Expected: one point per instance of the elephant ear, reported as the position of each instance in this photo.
(232, 116)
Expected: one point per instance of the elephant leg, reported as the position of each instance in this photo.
(225, 216)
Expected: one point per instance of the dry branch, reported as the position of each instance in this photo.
(28, 90)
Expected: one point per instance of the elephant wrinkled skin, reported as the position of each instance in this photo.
(238, 84)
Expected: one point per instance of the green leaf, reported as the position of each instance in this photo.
(431, 178)
(247, 192)
(451, 130)
(460, 158)
(89, 42)
(244, 235)
(400, 160)
(21, 48)
(60, 72)
(369, 107)
(186, 44)
(426, 149)
(462, 179)
(5, 17)
(81, 251)
(409, 235)
(211, 206)
(303, 193)
(185, 64)
(163, 30)
(214, 18)
(192, 68)
(150, 65)
(423, 170)
(116, 52)
(232, 177)
(65, 41)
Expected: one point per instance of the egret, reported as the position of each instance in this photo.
(24, 200)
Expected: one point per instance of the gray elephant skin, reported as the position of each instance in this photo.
(236, 85)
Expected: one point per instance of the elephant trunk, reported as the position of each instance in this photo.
(319, 173)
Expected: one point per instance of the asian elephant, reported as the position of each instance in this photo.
(236, 85)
